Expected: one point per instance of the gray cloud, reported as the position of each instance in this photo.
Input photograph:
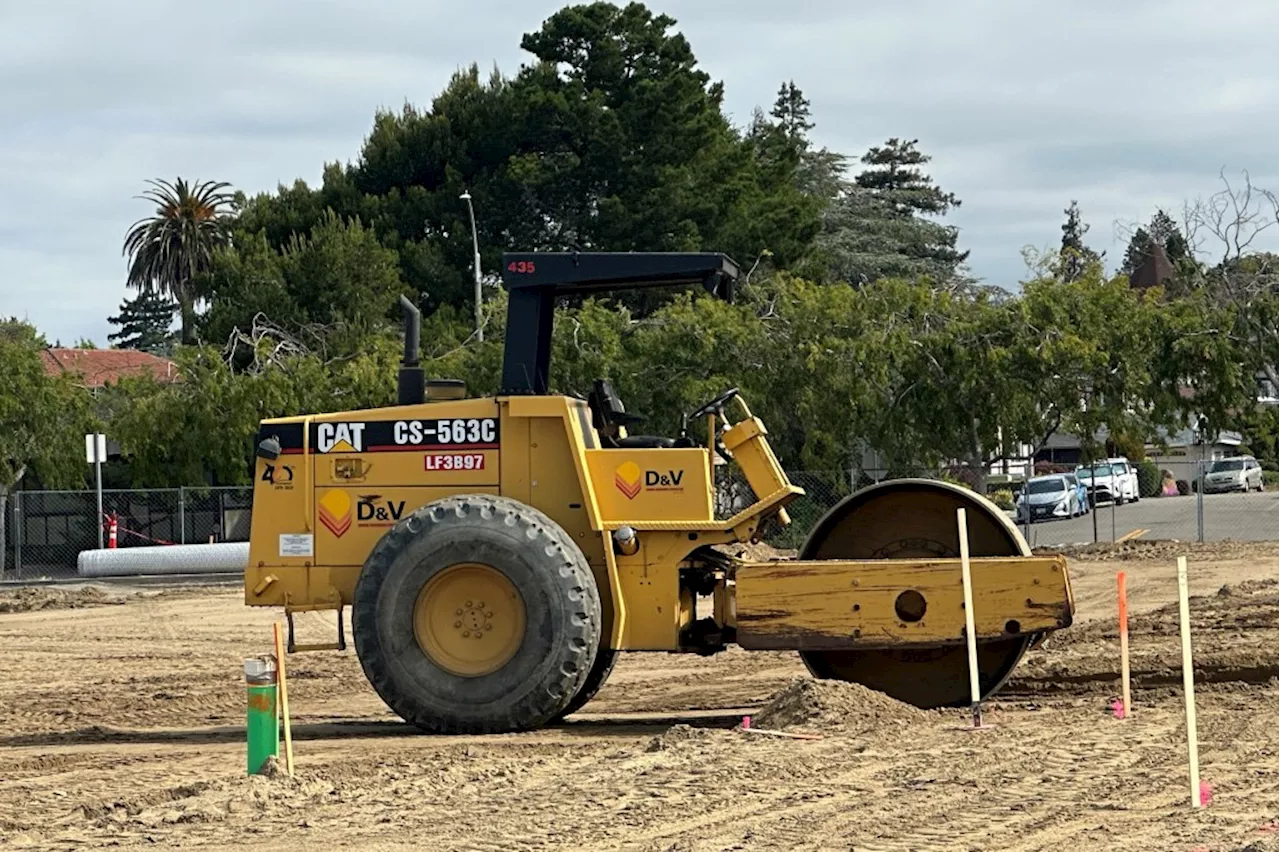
(1124, 107)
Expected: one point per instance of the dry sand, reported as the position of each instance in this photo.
(121, 717)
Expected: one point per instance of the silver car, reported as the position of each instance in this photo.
(1045, 497)
(1242, 473)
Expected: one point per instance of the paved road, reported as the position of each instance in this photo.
(1239, 517)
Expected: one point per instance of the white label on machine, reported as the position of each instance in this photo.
(297, 544)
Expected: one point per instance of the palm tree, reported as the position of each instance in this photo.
(168, 250)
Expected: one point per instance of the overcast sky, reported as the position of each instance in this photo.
(1122, 105)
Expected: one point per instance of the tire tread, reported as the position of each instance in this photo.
(572, 581)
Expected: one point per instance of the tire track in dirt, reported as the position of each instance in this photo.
(109, 763)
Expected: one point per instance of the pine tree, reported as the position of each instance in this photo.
(144, 323)
(1075, 258)
(896, 179)
(791, 111)
(782, 145)
(882, 226)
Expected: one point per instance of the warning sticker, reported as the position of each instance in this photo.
(297, 544)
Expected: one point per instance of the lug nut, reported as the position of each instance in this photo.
(468, 604)
(457, 624)
(480, 605)
(489, 614)
(466, 633)
(457, 612)
(488, 627)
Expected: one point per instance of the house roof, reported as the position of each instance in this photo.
(1189, 437)
(1154, 270)
(95, 368)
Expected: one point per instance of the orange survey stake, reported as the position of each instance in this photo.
(1124, 642)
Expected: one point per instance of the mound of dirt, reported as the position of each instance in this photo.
(1247, 588)
(832, 704)
(1140, 550)
(273, 767)
(758, 552)
(30, 599)
(677, 734)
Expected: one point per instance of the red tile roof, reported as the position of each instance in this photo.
(97, 367)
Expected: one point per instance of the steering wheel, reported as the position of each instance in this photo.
(716, 405)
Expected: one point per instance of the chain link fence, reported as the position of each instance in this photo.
(1235, 504)
(1175, 509)
(44, 531)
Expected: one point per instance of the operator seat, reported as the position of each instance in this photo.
(611, 420)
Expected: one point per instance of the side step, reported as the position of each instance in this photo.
(293, 647)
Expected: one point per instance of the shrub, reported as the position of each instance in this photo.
(1271, 477)
(1148, 479)
(1002, 497)
(1184, 487)
(960, 475)
(1044, 468)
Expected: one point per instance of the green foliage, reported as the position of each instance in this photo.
(170, 249)
(1075, 257)
(877, 227)
(338, 275)
(952, 478)
(922, 376)
(200, 430)
(1260, 430)
(1093, 341)
(610, 138)
(43, 419)
(1003, 498)
(144, 323)
(1149, 479)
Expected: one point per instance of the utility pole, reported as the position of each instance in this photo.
(475, 247)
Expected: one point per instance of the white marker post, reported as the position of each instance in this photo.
(970, 632)
(95, 453)
(1188, 683)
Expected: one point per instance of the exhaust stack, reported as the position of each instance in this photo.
(411, 383)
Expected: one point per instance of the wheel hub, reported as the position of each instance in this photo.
(469, 619)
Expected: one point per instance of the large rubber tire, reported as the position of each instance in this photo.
(600, 671)
(561, 621)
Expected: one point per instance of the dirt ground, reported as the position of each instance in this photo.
(121, 724)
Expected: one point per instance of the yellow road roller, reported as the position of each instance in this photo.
(498, 552)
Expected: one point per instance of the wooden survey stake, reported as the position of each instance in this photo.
(284, 699)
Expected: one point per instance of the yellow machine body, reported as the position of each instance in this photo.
(643, 518)
(497, 553)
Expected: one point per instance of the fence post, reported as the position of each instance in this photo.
(182, 514)
(17, 533)
(4, 533)
(1200, 499)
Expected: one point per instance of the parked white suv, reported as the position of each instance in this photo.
(1126, 476)
(1242, 473)
(1111, 480)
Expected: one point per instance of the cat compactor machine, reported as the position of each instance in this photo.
(497, 553)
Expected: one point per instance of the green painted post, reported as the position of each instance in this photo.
(262, 727)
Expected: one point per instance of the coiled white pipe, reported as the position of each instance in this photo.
(221, 558)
